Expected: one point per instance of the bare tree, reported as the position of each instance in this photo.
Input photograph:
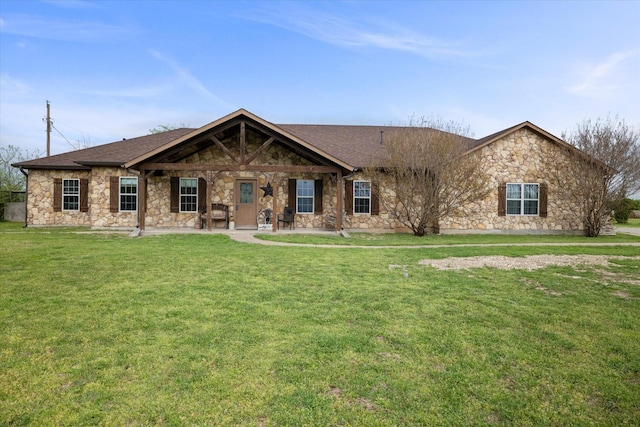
(84, 142)
(11, 179)
(607, 168)
(166, 127)
(431, 170)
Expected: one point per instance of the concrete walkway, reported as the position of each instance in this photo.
(249, 236)
(628, 230)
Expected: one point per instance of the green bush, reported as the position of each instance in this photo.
(622, 210)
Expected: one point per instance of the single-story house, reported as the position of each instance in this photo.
(254, 169)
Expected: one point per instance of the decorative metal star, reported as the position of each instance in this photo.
(268, 190)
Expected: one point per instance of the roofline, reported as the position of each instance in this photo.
(228, 117)
(544, 133)
(23, 165)
(525, 124)
(98, 163)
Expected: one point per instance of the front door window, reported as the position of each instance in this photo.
(246, 192)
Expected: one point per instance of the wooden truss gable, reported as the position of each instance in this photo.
(230, 136)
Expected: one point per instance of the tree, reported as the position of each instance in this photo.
(431, 171)
(165, 128)
(11, 179)
(82, 143)
(607, 168)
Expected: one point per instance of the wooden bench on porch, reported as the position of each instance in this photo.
(219, 212)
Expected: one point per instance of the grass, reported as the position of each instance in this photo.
(102, 329)
(392, 239)
(631, 222)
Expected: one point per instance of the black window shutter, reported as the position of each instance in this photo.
(57, 194)
(175, 194)
(114, 194)
(375, 198)
(291, 194)
(502, 199)
(202, 195)
(348, 197)
(543, 200)
(317, 197)
(84, 195)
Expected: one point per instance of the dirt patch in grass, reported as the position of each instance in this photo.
(529, 262)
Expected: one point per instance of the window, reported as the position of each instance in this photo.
(522, 199)
(304, 195)
(70, 194)
(361, 197)
(128, 193)
(188, 194)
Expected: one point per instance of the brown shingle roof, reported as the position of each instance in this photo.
(112, 154)
(358, 146)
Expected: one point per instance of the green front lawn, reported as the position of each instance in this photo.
(631, 222)
(102, 329)
(393, 239)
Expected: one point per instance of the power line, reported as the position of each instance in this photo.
(65, 138)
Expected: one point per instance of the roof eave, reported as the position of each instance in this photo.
(241, 112)
(99, 163)
(51, 167)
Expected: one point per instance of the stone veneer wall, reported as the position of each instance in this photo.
(158, 188)
(40, 200)
(521, 157)
(363, 222)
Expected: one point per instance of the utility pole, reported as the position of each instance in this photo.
(48, 128)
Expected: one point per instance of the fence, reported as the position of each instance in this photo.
(7, 197)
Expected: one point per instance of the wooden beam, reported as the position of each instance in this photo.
(142, 199)
(209, 182)
(260, 149)
(236, 168)
(243, 142)
(274, 214)
(339, 183)
(224, 149)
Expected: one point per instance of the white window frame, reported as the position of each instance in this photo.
(183, 196)
(122, 196)
(356, 206)
(299, 197)
(67, 197)
(522, 199)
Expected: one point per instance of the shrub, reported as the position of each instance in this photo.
(622, 210)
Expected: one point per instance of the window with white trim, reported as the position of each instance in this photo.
(304, 196)
(523, 199)
(70, 194)
(128, 193)
(188, 194)
(361, 197)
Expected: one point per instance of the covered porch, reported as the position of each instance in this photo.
(247, 165)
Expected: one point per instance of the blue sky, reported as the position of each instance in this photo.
(115, 69)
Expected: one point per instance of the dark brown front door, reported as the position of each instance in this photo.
(246, 204)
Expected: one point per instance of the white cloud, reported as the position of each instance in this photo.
(72, 4)
(11, 87)
(348, 33)
(618, 73)
(65, 30)
(186, 77)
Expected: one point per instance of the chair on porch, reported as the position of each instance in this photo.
(219, 212)
(287, 217)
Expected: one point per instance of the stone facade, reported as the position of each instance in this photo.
(40, 200)
(523, 156)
